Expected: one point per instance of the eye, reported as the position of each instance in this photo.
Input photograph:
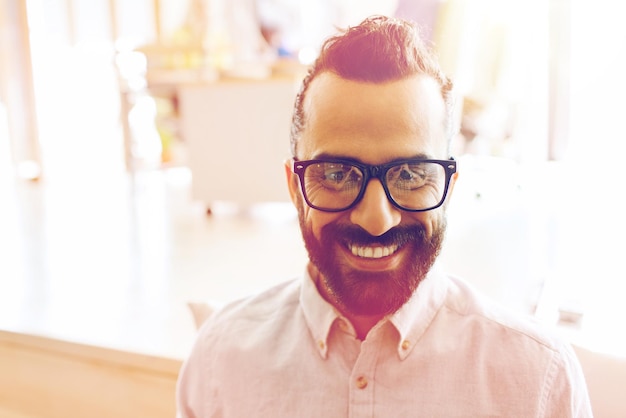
(339, 176)
(410, 175)
(334, 174)
(407, 176)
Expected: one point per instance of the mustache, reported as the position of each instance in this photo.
(354, 234)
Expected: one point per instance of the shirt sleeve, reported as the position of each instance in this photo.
(567, 394)
(191, 389)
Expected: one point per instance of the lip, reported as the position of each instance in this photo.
(382, 263)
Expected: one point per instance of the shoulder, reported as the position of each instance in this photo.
(268, 306)
(497, 320)
(517, 342)
(283, 295)
(234, 345)
(512, 354)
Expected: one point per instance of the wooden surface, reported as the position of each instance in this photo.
(47, 378)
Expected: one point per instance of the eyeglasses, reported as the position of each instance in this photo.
(335, 185)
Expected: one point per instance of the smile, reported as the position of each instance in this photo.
(373, 252)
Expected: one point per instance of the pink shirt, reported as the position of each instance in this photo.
(447, 353)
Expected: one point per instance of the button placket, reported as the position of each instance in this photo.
(362, 380)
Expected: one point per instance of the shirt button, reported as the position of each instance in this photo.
(321, 344)
(361, 382)
(405, 345)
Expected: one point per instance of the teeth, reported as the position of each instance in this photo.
(373, 252)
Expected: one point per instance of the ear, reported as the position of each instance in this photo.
(293, 182)
(451, 185)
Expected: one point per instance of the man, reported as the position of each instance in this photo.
(374, 329)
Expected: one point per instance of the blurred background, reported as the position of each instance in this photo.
(123, 123)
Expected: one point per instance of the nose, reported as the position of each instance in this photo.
(374, 212)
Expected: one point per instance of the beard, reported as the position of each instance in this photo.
(372, 292)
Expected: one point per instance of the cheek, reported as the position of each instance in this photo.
(316, 220)
(430, 220)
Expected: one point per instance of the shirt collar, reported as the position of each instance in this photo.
(411, 320)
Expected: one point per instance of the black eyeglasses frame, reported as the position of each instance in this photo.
(374, 171)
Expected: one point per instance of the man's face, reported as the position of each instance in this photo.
(372, 257)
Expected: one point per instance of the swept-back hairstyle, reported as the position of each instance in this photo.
(378, 50)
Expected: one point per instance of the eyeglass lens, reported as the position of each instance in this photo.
(411, 185)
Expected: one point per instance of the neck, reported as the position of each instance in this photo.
(362, 323)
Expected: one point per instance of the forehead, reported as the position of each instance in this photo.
(373, 122)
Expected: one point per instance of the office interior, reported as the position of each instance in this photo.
(120, 229)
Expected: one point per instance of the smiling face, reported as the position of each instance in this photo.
(372, 257)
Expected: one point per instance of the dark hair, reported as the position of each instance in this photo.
(378, 50)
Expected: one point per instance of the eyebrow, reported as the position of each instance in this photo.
(328, 156)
